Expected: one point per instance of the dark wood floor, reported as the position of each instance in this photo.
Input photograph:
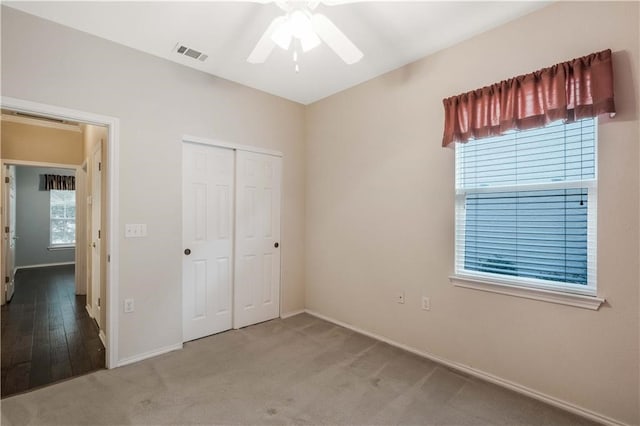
(47, 334)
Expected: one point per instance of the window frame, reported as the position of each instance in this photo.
(61, 246)
(585, 296)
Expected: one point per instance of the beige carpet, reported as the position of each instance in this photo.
(301, 370)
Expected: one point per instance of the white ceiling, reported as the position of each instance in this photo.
(390, 34)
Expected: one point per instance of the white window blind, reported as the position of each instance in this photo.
(526, 206)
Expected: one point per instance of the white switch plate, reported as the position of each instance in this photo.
(135, 230)
(128, 306)
(128, 230)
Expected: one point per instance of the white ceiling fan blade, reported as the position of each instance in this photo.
(265, 45)
(282, 4)
(339, 2)
(335, 39)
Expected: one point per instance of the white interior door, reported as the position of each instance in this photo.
(207, 232)
(257, 276)
(81, 230)
(10, 231)
(96, 215)
(88, 240)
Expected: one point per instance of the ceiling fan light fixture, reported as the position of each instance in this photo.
(282, 35)
(297, 25)
(309, 41)
(308, 29)
(302, 29)
(300, 23)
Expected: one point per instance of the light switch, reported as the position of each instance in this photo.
(129, 230)
(135, 230)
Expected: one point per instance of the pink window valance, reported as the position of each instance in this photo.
(569, 91)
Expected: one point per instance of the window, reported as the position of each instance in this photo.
(62, 218)
(526, 208)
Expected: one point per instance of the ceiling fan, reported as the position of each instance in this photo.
(305, 30)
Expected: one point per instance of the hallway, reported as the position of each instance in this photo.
(47, 334)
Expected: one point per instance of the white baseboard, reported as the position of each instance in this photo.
(44, 265)
(150, 354)
(89, 311)
(567, 406)
(292, 313)
(103, 338)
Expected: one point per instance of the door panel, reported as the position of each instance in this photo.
(96, 220)
(208, 187)
(257, 271)
(10, 237)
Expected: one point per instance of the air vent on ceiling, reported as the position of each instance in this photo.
(192, 53)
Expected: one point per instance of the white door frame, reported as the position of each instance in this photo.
(230, 145)
(258, 150)
(112, 177)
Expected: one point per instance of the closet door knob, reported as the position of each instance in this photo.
(187, 252)
(276, 245)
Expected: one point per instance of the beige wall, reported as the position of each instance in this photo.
(43, 144)
(380, 216)
(157, 102)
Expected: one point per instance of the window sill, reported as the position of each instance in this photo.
(61, 247)
(576, 300)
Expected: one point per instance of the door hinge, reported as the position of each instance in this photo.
(99, 166)
(98, 302)
(108, 258)
(7, 180)
(6, 229)
(98, 234)
(6, 280)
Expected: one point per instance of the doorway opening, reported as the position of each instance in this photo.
(72, 299)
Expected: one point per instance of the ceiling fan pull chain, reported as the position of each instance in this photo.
(295, 55)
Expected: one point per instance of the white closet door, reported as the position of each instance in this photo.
(257, 253)
(208, 192)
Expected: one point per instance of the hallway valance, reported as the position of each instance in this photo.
(58, 182)
(568, 91)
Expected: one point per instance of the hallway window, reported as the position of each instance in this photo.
(62, 217)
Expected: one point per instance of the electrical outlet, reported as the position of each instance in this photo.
(400, 297)
(426, 303)
(128, 306)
